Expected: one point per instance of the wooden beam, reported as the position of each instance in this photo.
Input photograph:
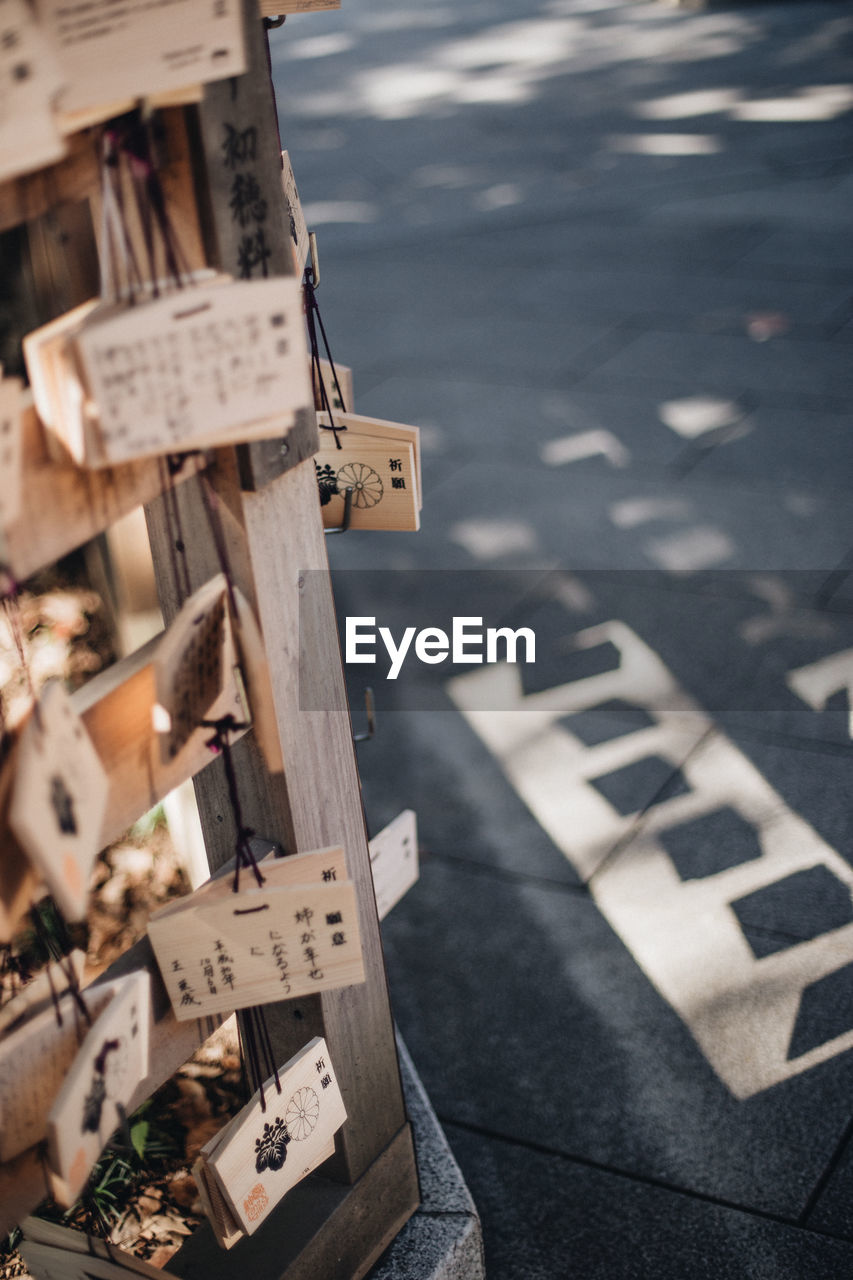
(317, 801)
(66, 505)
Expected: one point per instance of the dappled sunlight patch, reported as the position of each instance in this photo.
(813, 102)
(491, 539)
(681, 106)
(500, 196)
(817, 102)
(585, 444)
(453, 177)
(702, 547)
(694, 415)
(510, 62)
(632, 512)
(665, 144)
(325, 46)
(323, 212)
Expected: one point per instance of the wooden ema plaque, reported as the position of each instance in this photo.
(394, 861)
(222, 362)
(59, 797)
(265, 1151)
(32, 998)
(340, 397)
(109, 1065)
(290, 937)
(30, 80)
(295, 216)
(380, 462)
(35, 1058)
(108, 54)
(190, 666)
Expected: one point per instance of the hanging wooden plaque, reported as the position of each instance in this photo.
(30, 80)
(262, 945)
(382, 478)
(222, 362)
(190, 666)
(355, 428)
(108, 1067)
(266, 1152)
(340, 397)
(11, 408)
(320, 866)
(394, 861)
(295, 216)
(225, 1228)
(34, 997)
(59, 797)
(34, 1061)
(55, 380)
(109, 54)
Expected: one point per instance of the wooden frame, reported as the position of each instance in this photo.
(264, 498)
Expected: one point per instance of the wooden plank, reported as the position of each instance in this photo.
(170, 1044)
(73, 504)
(321, 1229)
(245, 215)
(115, 707)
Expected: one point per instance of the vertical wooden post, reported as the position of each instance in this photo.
(265, 500)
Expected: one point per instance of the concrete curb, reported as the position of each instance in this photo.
(443, 1240)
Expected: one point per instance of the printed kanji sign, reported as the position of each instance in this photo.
(58, 799)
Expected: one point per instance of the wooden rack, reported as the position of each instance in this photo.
(334, 1226)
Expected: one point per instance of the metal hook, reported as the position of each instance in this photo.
(370, 709)
(272, 23)
(343, 527)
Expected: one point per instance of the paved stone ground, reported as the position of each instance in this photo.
(600, 253)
